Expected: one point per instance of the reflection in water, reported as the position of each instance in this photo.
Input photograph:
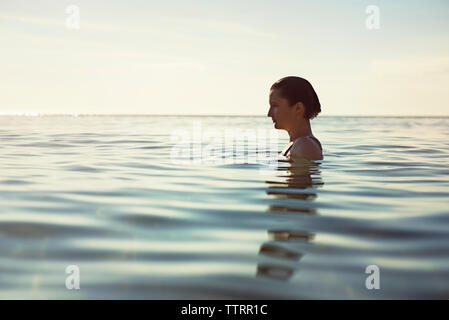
(282, 259)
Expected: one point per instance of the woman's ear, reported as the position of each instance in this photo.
(299, 108)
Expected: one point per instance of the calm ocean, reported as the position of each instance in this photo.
(110, 195)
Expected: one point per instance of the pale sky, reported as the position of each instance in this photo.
(221, 57)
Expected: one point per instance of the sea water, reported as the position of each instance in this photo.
(107, 195)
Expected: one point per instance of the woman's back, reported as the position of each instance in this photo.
(307, 147)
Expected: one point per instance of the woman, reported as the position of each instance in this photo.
(293, 103)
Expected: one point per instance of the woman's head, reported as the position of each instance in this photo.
(292, 97)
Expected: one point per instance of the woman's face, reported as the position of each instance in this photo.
(284, 116)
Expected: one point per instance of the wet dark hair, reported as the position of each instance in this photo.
(296, 89)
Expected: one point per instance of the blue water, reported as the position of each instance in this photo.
(107, 194)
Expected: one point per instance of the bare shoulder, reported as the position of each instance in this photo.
(306, 148)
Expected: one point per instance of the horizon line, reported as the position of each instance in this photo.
(35, 114)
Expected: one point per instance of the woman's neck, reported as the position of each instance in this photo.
(301, 130)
